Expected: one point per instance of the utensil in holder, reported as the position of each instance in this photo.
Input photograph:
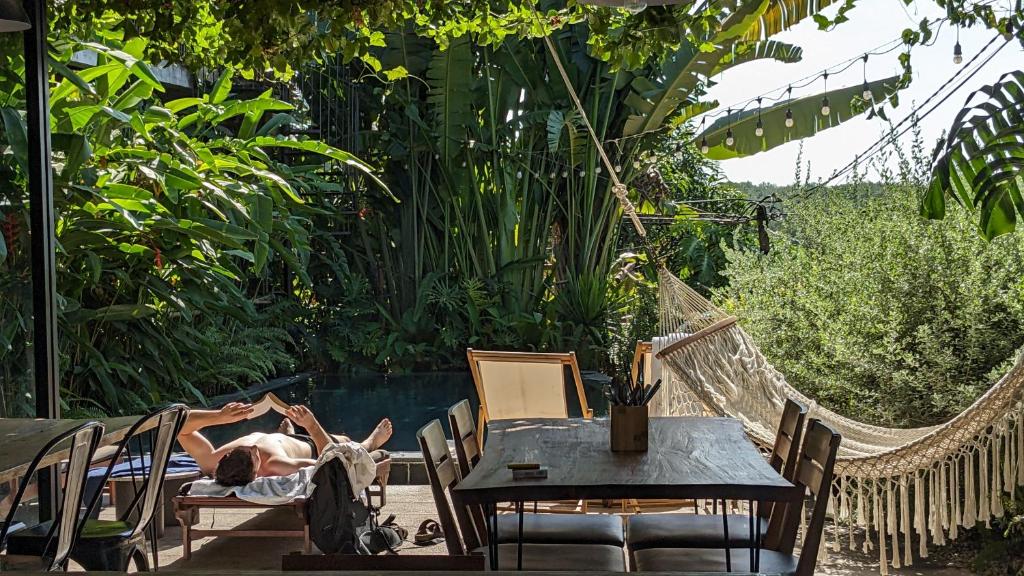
(629, 428)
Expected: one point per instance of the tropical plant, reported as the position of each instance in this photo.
(501, 185)
(171, 217)
(980, 164)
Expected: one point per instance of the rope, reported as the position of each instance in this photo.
(618, 188)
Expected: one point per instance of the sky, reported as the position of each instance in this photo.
(872, 23)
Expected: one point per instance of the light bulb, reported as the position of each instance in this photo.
(618, 168)
(463, 163)
(565, 173)
(789, 118)
(958, 54)
(1008, 32)
(634, 6)
(704, 146)
(519, 175)
(866, 92)
(729, 140)
(759, 130)
(552, 175)
(582, 173)
(825, 108)
(437, 156)
(597, 170)
(471, 143)
(636, 164)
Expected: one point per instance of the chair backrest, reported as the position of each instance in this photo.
(643, 357)
(467, 442)
(787, 439)
(467, 450)
(443, 477)
(67, 519)
(814, 473)
(159, 429)
(524, 384)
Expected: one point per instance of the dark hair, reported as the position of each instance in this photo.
(236, 468)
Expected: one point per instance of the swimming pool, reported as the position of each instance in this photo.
(354, 404)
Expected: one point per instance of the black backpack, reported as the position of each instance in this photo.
(340, 523)
(337, 518)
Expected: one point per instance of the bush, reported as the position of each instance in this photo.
(877, 313)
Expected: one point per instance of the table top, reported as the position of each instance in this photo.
(687, 457)
(22, 438)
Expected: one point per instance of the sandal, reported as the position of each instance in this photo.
(428, 534)
(389, 522)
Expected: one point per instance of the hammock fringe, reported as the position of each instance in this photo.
(890, 482)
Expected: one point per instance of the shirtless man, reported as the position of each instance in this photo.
(240, 461)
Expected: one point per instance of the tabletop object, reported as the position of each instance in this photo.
(22, 438)
(688, 457)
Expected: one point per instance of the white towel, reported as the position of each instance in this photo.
(275, 490)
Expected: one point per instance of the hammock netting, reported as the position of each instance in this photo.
(890, 482)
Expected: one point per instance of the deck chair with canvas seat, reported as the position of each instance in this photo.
(515, 385)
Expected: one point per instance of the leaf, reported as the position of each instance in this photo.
(782, 15)
(769, 49)
(222, 87)
(323, 149)
(450, 76)
(17, 136)
(845, 103)
(980, 164)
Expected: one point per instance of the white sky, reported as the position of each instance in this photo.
(872, 23)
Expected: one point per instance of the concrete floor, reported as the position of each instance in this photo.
(411, 505)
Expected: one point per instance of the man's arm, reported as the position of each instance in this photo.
(304, 417)
(196, 444)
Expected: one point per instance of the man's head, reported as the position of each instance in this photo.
(238, 467)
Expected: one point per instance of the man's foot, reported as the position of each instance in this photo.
(286, 427)
(379, 436)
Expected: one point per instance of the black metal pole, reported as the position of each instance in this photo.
(41, 217)
(41, 230)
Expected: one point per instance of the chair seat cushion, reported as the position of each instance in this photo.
(30, 541)
(710, 560)
(689, 531)
(562, 529)
(559, 557)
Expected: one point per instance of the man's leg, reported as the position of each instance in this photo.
(375, 440)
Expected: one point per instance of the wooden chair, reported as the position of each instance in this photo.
(814, 470)
(536, 557)
(644, 352)
(537, 528)
(56, 538)
(705, 530)
(524, 385)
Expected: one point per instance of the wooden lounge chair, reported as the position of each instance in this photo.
(814, 471)
(536, 557)
(524, 385)
(186, 510)
(537, 528)
(705, 530)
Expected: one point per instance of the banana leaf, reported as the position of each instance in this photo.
(845, 103)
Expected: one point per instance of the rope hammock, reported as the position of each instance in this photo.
(889, 482)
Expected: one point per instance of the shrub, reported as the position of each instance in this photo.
(878, 313)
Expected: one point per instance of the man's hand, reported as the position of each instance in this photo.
(234, 412)
(302, 416)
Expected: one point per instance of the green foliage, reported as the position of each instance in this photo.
(873, 311)
(980, 165)
(171, 217)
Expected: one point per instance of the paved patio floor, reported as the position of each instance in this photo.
(411, 505)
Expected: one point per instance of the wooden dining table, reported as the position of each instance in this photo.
(22, 438)
(687, 458)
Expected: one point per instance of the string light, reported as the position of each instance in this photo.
(789, 110)
(1008, 32)
(634, 6)
(825, 108)
(759, 130)
(565, 173)
(597, 170)
(552, 175)
(958, 51)
(471, 143)
(704, 146)
(866, 91)
(618, 168)
(729, 140)
(519, 174)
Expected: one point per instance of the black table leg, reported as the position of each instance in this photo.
(519, 541)
(492, 534)
(757, 537)
(753, 531)
(725, 526)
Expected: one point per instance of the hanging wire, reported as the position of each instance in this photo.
(879, 144)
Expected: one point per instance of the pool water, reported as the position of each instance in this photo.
(353, 404)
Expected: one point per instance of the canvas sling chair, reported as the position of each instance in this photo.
(514, 385)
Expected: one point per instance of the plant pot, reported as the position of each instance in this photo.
(629, 428)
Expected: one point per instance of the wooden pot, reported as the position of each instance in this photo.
(629, 428)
